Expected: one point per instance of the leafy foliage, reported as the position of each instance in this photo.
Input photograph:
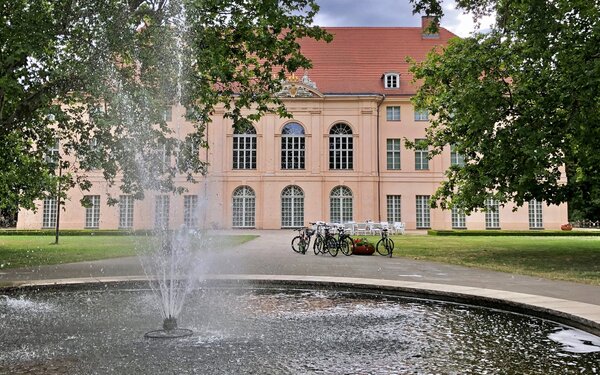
(521, 103)
(96, 76)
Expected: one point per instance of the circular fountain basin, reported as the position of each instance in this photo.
(276, 329)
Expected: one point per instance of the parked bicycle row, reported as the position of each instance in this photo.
(333, 239)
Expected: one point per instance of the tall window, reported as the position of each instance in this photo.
(392, 113)
(393, 154)
(340, 147)
(455, 157)
(190, 211)
(244, 148)
(292, 207)
(421, 115)
(52, 154)
(421, 157)
(92, 212)
(340, 205)
(292, 146)
(391, 80)
(535, 214)
(126, 211)
(492, 214)
(394, 205)
(423, 212)
(49, 213)
(459, 219)
(161, 212)
(244, 207)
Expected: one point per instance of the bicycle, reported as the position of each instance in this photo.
(385, 246)
(346, 243)
(325, 241)
(301, 242)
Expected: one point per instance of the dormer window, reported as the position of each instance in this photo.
(391, 80)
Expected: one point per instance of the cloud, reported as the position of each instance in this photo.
(386, 13)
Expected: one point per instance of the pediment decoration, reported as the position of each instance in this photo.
(294, 87)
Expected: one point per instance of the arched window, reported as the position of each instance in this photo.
(292, 146)
(292, 207)
(340, 205)
(244, 148)
(340, 147)
(244, 207)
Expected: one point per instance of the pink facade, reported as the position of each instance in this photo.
(350, 163)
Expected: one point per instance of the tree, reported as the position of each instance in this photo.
(96, 77)
(521, 103)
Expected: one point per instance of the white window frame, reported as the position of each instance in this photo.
(459, 218)
(392, 113)
(341, 147)
(53, 153)
(536, 219)
(292, 207)
(161, 212)
(126, 211)
(421, 158)
(340, 204)
(293, 146)
(421, 115)
(492, 214)
(455, 157)
(391, 80)
(49, 212)
(394, 208)
(243, 207)
(190, 211)
(244, 149)
(423, 212)
(393, 147)
(92, 213)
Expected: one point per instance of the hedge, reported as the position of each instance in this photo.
(531, 233)
(72, 232)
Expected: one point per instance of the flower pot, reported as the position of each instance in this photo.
(363, 250)
(566, 227)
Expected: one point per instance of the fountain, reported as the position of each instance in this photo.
(279, 328)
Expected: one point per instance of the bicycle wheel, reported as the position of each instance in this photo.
(318, 245)
(346, 245)
(381, 247)
(298, 245)
(332, 246)
(389, 245)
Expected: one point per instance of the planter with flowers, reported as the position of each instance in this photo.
(566, 227)
(362, 246)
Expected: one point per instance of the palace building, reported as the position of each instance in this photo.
(340, 158)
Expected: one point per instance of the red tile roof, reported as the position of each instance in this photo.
(355, 61)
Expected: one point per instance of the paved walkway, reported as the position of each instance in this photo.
(270, 256)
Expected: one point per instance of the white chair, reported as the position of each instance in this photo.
(373, 228)
(399, 227)
(386, 225)
(361, 229)
(349, 227)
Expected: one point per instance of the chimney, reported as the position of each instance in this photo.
(426, 21)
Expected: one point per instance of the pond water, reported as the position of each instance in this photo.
(280, 331)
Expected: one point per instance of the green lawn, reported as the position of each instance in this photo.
(561, 258)
(29, 251)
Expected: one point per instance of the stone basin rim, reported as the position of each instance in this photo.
(579, 315)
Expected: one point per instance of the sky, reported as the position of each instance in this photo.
(391, 13)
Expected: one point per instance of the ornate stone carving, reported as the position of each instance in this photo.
(294, 87)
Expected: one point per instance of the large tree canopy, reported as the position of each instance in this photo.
(521, 103)
(95, 77)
